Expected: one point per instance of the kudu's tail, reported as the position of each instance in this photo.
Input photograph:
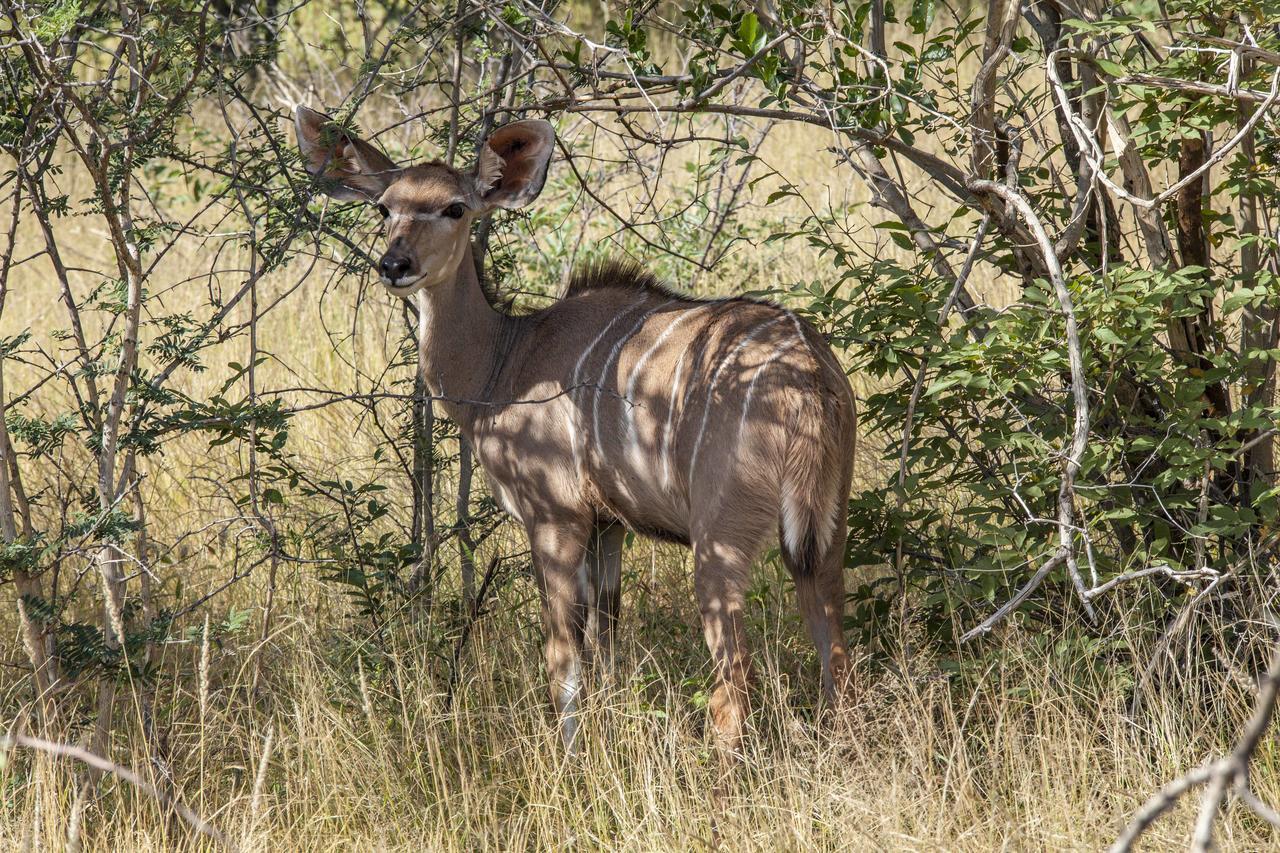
(815, 476)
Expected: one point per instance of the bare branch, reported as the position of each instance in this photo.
(62, 750)
(1219, 776)
(1079, 392)
(1002, 21)
(1059, 557)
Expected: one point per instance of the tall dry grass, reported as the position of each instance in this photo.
(345, 747)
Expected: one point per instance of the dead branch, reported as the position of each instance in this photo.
(62, 750)
(1089, 144)
(1002, 21)
(1192, 87)
(1079, 392)
(1231, 770)
(983, 627)
(1192, 574)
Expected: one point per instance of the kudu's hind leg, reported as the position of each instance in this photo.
(820, 593)
(721, 572)
(604, 564)
(559, 558)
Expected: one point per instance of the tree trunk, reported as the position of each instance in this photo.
(28, 586)
(1188, 334)
(1259, 327)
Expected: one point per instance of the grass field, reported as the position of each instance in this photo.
(331, 754)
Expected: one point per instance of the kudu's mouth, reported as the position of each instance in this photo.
(434, 275)
(406, 288)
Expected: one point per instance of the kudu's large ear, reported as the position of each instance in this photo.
(350, 168)
(512, 166)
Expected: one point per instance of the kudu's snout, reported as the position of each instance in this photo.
(394, 267)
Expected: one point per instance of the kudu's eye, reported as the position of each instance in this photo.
(455, 210)
(383, 212)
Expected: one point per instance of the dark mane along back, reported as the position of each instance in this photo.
(619, 274)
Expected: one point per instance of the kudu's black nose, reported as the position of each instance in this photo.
(394, 267)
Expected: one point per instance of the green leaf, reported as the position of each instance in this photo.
(749, 29)
(1115, 69)
(1108, 337)
(921, 17)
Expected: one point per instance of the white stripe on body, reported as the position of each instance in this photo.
(629, 415)
(577, 379)
(751, 388)
(789, 511)
(711, 387)
(613, 354)
(817, 355)
(671, 411)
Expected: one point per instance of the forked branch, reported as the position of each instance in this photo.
(1232, 770)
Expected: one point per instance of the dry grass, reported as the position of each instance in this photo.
(1027, 755)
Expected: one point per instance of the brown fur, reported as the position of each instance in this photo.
(713, 423)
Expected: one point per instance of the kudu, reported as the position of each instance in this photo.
(714, 423)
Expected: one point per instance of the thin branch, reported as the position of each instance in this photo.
(1079, 391)
(1088, 144)
(1218, 775)
(1127, 577)
(1058, 558)
(62, 750)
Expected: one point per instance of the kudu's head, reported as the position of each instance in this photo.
(427, 207)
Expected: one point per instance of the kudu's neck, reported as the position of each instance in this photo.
(462, 341)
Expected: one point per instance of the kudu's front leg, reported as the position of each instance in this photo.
(559, 558)
(604, 563)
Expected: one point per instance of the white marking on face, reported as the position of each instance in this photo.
(711, 389)
(406, 289)
(393, 218)
(439, 272)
